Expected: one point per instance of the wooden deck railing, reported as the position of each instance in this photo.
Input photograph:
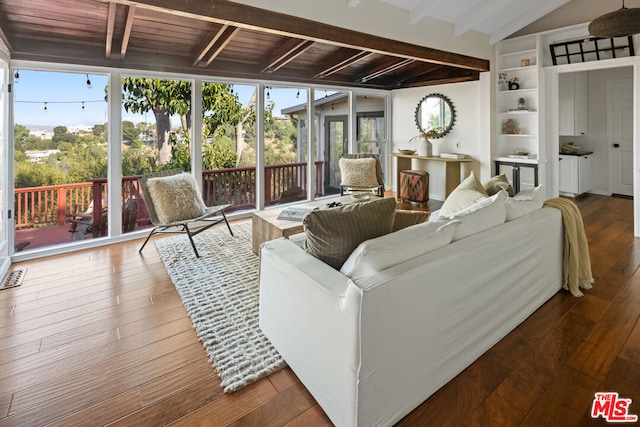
(52, 204)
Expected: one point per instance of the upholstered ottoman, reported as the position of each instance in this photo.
(414, 186)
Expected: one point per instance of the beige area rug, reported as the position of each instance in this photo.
(221, 293)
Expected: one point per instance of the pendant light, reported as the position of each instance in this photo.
(623, 22)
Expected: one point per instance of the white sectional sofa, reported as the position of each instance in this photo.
(372, 345)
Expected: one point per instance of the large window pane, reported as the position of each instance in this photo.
(371, 127)
(285, 145)
(60, 158)
(156, 126)
(229, 145)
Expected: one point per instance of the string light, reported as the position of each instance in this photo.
(16, 76)
(88, 82)
(268, 94)
(46, 103)
(298, 94)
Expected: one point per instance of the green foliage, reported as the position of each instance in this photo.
(130, 132)
(180, 154)
(218, 155)
(99, 130)
(61, 133)
(139, 161)
(29, 174)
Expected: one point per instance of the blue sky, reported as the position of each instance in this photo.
(66, 93)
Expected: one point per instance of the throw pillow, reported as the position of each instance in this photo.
(375, 255)
(176, 197)
(406, 218)
(358, 172)
(469, 192)
(497, 183)
(533, 193)
(332, 234)
(481, 216)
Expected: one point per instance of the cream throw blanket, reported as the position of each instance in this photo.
(576, 262)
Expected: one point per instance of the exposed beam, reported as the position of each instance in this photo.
(253, 18)
(5, 40)
(111, 22)
(343, 64)
(291, 50)
(440, 76)
(127, 31)
(212, 36)
(224, 39)
(386, 70)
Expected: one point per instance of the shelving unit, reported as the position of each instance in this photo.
(512, 56)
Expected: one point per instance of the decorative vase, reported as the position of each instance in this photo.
(423, 145)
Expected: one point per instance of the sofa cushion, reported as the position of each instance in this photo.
(530, 194)
(406, 218)
(332, 234)
(375, 255)
(469, 192)
(524, 202)
(480, 216)
(497, 183)
(176, 197)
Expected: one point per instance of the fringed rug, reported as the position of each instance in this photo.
(220, 292)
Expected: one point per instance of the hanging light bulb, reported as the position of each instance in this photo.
(298, 94)
(82, 105)
(16, 76)
(268, 94)
(45, 107)
(620, 23)
(88, 82)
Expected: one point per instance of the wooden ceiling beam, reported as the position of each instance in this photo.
(377, 73)
(5, 40)
(214, 33)
(222, 39)
(111, 23)
(343, 64)
(127, 31)
(291, 50)
(249, 17)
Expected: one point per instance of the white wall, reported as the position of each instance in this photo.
(384, 20)
(468, 135)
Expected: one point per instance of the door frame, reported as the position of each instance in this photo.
(327, 147)
(550, 100)
(6, 121)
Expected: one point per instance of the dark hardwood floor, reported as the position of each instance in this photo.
(100, 337)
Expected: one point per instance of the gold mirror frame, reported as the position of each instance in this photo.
(441, 113)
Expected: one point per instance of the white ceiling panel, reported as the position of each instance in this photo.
(497, 18)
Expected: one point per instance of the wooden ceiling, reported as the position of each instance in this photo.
(222, 39)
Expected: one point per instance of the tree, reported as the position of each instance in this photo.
(162, 97)
(98, 130)
(61, 133)
(130, 132)
(167, 97)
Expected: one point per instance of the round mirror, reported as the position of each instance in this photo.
(435, 116)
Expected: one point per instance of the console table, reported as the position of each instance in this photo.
(451, 169)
